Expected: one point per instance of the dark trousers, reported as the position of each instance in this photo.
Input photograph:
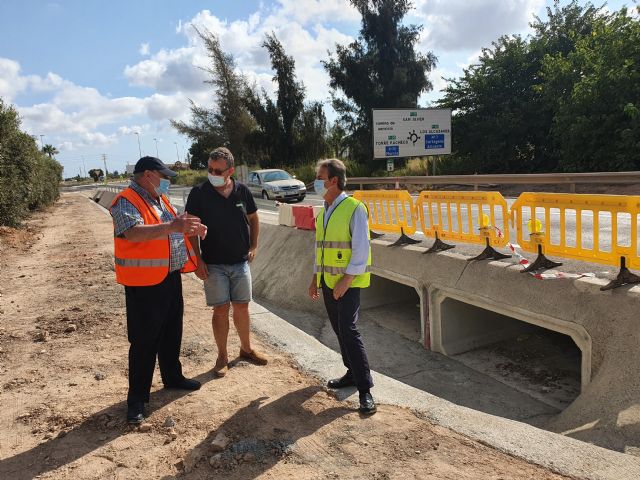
(154, 328)
(343, 315)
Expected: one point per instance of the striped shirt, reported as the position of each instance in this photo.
(125, 216)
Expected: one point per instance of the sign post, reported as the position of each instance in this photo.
(414, 132)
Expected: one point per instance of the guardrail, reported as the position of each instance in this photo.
(571, 179)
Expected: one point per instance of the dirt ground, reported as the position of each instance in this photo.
(63, 379)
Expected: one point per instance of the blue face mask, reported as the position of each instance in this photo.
(216, 180)
(163, 188)
(318, 186)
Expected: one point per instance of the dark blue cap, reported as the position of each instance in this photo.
(153, 163)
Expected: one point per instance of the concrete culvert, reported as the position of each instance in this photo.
(394, 306)
(532, 355)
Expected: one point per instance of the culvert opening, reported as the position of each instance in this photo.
(538, 361)
(393, 305)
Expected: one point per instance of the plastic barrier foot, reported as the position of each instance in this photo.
(541, 263)
(404, 240)
(438, 246)
(624, 277)
(373, 234)
(489, 252)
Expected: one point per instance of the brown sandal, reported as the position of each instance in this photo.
(254, 356)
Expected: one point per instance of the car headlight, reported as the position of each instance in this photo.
(274, 188)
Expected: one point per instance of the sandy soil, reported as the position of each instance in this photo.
(63, 377)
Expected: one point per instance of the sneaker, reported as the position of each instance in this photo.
(254, 356)
(135, 413)
(221, 367)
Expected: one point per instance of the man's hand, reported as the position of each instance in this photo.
(313, 289)
(201, 272)
(342, 286)
(187, 224)
(251, 255)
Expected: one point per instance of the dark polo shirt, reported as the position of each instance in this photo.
(227, 241)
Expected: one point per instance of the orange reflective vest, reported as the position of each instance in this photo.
(139, 264)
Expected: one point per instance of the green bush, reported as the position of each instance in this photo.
(29, 179)
(190, 178)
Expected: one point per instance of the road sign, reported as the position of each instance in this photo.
(390, 165)
(411, 132)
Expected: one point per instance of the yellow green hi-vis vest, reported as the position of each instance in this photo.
(333, 246)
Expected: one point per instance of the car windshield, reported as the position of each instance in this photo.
(274, 176)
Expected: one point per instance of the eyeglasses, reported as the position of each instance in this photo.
(215, 171)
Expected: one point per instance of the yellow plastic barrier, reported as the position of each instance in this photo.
(390, 211)
(590, 228)
(468, 217)
(597, 220)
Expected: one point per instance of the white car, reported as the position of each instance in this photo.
(274, 184)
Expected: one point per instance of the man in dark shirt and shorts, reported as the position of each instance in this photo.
(229, 211)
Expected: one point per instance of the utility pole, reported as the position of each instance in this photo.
(41, 143)
(157, 154)
(84, 167)
(106, 172)
(139, 149)
(177, 154)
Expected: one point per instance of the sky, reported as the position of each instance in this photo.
(101, 80)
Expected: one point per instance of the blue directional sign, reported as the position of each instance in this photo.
(434, 141)
(392, 150)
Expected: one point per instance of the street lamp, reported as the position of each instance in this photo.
(157, 154)
(139, 149)
(177, 154)
(41, 143)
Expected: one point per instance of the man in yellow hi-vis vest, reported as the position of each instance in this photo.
(342, 264)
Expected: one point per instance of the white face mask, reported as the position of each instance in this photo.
(216, 180)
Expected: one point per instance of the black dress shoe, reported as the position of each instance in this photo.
(342, 382)
(367, 405)
(135, 413)
(185, 384)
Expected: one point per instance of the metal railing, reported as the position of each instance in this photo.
(571, 179)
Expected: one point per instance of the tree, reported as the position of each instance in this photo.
(311, 133)
(229, 123)
(290, 92)
(50, 150)
(381, 69)
(561, 99)
(96, 173)
(337, 140)
(596, 90)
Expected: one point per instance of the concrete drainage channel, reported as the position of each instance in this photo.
(543, 358)
(559, 355)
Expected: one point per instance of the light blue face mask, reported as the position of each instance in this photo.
(163, 188)
(318, 186)
(216, 180)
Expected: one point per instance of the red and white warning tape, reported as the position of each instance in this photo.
(549, 275)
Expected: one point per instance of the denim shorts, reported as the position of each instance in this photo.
(228, 283)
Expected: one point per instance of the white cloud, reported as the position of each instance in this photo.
(451, 25)
(144, 49)
(181, 70)
(306, 11)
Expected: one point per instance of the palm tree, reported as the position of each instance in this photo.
(50, 150)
